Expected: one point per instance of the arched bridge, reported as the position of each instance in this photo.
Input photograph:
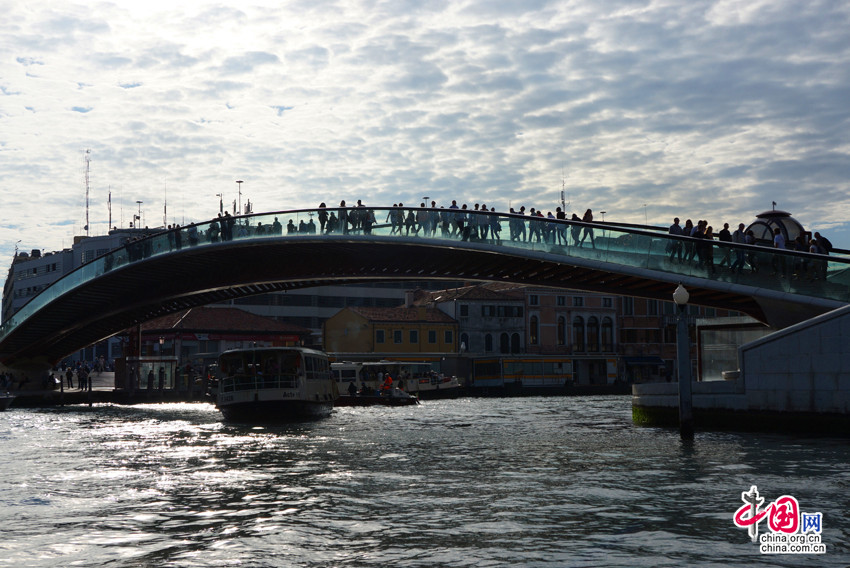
(240, 256)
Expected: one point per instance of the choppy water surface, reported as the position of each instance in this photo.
(469, 482)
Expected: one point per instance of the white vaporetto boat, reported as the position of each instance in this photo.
(275, 384)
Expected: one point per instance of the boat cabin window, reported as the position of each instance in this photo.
(268, 363)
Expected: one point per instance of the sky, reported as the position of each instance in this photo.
(643, 109)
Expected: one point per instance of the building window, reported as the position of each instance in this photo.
(504, 343)
(652, 307)
(515, 346)
(578, 301)
(562, 300)
(488, 343)
(432, 336)
(464, 310)
(607, 334)
(509, 311)
(379, 336)
(448, 337)
(532, 330)
(414, 337)
(488, 311)
(578, 333)
(562, 330)
(534, 300)
(464, 342)
(397, 338)
(628, 306)
(593, 334)
(607, 302)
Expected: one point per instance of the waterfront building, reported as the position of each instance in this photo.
(32, 272)
(312, 307)
(491, 317)
(187, 342)
(581, 337)
(29, 274)
(390, 331)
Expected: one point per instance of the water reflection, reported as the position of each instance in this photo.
(532, 482)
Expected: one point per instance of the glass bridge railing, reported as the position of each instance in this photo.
(803, 273)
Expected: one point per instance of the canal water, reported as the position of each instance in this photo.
(548, 482)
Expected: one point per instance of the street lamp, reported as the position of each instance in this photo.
(683, 358)
(239, 186)
(161, 341)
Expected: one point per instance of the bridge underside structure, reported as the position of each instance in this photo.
(168, 279)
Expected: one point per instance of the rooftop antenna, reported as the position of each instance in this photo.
(165, 204)
(109, 208)
(774, 205)
(239, 185)
(563, 191)
(88, 161)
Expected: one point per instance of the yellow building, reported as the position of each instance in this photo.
(390, 330)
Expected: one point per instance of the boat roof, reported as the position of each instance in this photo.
(267, 349)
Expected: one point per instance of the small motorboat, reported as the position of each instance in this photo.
(387, 397)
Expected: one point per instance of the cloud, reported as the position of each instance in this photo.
(705, 109)
(247, 62)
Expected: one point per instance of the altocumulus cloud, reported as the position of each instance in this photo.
(706, 109)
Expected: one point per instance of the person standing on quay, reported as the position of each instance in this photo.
(69, 375)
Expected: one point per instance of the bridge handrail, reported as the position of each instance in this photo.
(822, 276)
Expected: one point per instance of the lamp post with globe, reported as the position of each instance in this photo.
(683, 362)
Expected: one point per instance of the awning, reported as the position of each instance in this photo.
(643, 360)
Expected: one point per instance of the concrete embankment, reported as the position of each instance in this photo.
(793, 380)
(102, 391)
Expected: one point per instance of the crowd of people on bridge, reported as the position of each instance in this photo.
(481, 223)
(699, 251)
(478, 223)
